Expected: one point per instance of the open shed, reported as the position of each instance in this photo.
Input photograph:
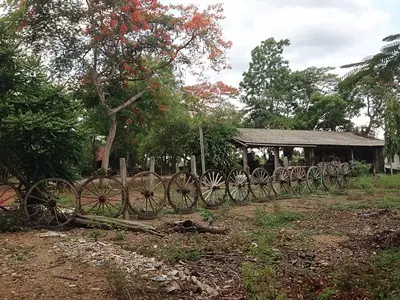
(319, 146)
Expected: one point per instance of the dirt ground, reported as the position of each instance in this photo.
(323, 251)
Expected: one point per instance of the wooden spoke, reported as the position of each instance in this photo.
(213, 188)
(330, 176)
(260, 184)
(146, 194)
(238, 185)
(103, 195)
(50, 203)
(344, 175)
(281, 181)
(298, 180)
(183, 192)
(314, 178)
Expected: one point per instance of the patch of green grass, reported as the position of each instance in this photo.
(383, 181)
(175, 253)
(260, 282)
(326, 294)
(260, 278)
(387, 283)
(379, 276)
(392, 203)
(362, 182)
(277, 219)
(172, 253)
(18, 253)
(389, 181)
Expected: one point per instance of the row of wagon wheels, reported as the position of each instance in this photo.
(54, 202)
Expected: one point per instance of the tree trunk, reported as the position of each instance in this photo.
(109, 142)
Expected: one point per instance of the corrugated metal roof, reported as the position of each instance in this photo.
(302, 138)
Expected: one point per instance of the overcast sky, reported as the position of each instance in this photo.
(322, 32)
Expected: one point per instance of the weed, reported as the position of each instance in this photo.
(326, 294)
(260, 282)
(275, 220)
(9, 223)
(119, 236)
(127, 286)
(207, 215)
(18, 253)
(363, 182)
(392, 203)
(175, 253)
(96, 234)
(383, 181)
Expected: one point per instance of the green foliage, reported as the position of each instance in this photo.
(385, 63)
(277, 219)
(39, 132)
(392, 128)
(174, 253)
(207, 215)
(389, 264)
(387, 202)
(260, 282)
(360, 168)
(10, 223)
(278, 98)
(265, 85)
(362, 182)
(384, 181)
(326, 294)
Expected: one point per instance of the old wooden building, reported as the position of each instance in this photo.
(319, 146)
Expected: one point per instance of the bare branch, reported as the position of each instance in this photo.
(125, 104)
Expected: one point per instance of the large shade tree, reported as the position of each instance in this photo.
(125, 41)
(40, 136)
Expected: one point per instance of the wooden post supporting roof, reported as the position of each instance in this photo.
(276, 158)
(245, 162)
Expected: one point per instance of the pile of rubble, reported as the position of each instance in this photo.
(174, 278)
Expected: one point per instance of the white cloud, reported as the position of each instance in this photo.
(322, 32)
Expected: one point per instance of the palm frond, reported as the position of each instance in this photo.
(391, 48)
(392, 37)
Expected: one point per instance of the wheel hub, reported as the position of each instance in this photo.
(102, 199)
(52, 203)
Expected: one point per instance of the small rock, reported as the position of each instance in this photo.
(160, 278)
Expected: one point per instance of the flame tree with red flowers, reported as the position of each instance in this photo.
(94, 42)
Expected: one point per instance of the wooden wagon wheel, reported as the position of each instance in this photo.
(238, 185)
(330, 176)
(281, 181)
(146, 194)
(314, 178)
(260, 184)
(102, 195)
(344, 174)
(298, 179)
(183, 192)
(50, 203)
(213, 188)
(10, 198)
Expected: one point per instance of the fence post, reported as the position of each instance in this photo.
(152, 169)
(122, 171)
(193, 165)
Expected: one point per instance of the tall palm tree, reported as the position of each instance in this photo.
(386, 63)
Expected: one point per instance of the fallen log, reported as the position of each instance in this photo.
(111, 223)
(190, 226)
